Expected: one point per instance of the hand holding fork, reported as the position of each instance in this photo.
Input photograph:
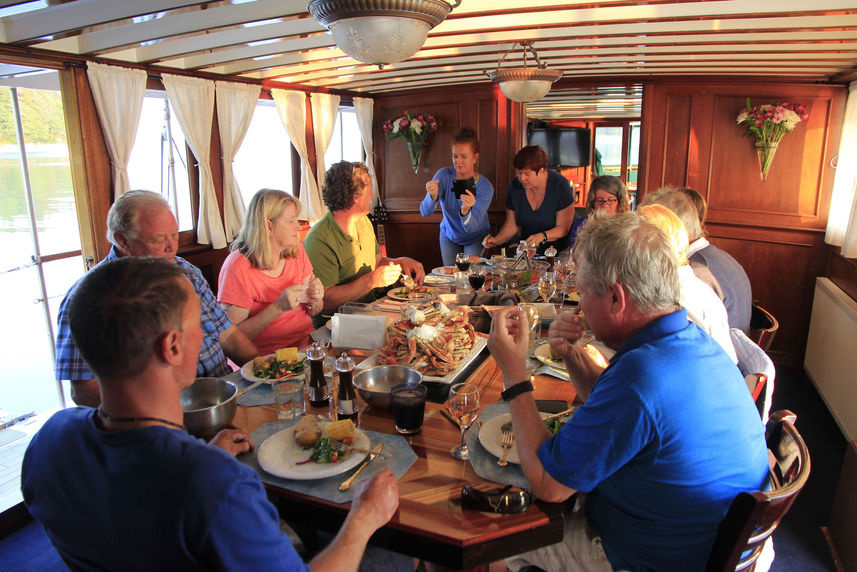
(508, 439)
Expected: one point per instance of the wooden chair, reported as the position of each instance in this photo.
(758, 371)
(753, 517)
(763, 327)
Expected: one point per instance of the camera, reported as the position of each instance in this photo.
(459, 186)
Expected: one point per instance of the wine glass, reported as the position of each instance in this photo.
(476, 279)
(462, 261)
(547, 286)
(534, 319)
(463, 403)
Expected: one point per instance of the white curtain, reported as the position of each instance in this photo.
(292, 108)
(364, 108)
(842, 222)
(325, 107)
(118, 94)
(193, 102)
(236, 103)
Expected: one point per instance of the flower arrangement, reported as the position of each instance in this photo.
(415, 130)
(768, 123)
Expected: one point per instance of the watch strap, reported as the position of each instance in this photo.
(517, 389)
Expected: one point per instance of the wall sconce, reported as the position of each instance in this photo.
(524, 84)
(380, 31)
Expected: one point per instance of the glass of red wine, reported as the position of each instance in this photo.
(462, 261)
(476, 279)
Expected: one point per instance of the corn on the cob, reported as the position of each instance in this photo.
(340, 429)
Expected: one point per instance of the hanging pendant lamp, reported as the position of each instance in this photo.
(524, 84)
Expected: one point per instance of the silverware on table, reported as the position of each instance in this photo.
(344, 448)
(508, 439)
(346, 484)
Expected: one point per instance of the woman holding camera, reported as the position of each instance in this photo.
(464, 196)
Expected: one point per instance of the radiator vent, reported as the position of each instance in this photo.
(831, 353)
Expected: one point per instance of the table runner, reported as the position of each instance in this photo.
(328, 489)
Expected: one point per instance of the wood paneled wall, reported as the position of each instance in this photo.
(774, 228)
(499, 125)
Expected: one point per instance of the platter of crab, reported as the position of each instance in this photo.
(432, 339)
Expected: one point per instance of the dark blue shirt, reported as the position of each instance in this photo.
(558, 195)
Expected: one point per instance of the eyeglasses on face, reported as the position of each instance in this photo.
(611, 201)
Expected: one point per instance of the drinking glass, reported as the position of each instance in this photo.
(462, 261)
(532, 313)
(289, 397)
(463, 403)
(476, 279)
(547, 286)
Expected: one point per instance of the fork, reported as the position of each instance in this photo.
(341, 447)
(508, 439)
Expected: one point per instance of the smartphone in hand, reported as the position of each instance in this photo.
(459, 186)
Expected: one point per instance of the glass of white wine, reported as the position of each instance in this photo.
(464, 404)
(547, 286)
(532, 313)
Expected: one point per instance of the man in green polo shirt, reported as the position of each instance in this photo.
(341, 246)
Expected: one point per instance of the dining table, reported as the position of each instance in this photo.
(430, 522)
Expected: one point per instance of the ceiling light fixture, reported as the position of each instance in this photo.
(380, 31)
(524, 84)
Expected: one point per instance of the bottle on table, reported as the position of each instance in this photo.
(317, 389)
(550, 256)
(346, 397)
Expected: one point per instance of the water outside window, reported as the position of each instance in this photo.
(264, 160)
(27, 382)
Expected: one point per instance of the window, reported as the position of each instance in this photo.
(264, 160)
(41, 255)
(617, 152)
(345, 143)
(160, 159)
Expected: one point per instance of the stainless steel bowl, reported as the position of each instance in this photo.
(209, 405)
(374, 384)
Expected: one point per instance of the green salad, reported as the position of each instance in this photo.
(553, 425)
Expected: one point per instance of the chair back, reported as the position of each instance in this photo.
(752, 517)
(763, 327)
(758, 371)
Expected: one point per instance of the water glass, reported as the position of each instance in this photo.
(409, 407)
(289, 397)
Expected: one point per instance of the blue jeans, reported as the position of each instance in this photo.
(449, 249)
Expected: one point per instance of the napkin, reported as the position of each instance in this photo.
(358, 331)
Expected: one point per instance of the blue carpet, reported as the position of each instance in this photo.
(28, 548)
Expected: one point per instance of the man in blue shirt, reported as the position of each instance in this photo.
(668, 434)
(140, 223)
(124, 487)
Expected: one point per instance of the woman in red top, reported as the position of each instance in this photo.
(266, 285)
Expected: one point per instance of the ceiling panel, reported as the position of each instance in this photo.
(277, 41)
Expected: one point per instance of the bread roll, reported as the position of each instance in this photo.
(307, 431)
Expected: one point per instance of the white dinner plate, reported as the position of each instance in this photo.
(543, 354)
(247, 370)
(444, 271)
(396, 294)
(279, 455)
(491, 437)
(437, 279)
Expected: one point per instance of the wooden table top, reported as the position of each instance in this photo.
(430, 523)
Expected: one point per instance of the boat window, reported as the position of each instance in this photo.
(264, 160)
(345, 144)
(160, 158)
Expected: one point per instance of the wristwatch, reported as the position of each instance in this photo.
(517, 389)
(545, 234)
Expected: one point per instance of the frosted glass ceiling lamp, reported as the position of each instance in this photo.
(524, 84)
(380, 31)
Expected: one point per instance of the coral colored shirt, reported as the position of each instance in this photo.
(243, 285)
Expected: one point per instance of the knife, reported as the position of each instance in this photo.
(346, 484)
(370, 452)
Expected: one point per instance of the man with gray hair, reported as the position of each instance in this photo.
(667, 435)
(140, 223)
(714, 266)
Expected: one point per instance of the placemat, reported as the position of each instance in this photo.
(262, 395)
(483, 462)
(328, 489)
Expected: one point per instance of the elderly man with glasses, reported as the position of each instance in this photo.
(140, 223)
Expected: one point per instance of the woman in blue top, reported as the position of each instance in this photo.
(607, 194)
(539, 204)
(465, 220)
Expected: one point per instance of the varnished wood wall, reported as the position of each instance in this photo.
(499, 125)
(774, 228)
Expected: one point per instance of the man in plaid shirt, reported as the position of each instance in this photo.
(140, 223)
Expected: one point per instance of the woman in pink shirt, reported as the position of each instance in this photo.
(266, 285)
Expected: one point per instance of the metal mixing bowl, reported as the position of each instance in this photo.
(209, 405)
(374, 384)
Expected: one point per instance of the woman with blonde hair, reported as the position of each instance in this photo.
(266, 285)
(702, 304)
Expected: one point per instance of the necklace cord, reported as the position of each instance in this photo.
(104, 415)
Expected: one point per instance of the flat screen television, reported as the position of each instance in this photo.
(565, 146)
